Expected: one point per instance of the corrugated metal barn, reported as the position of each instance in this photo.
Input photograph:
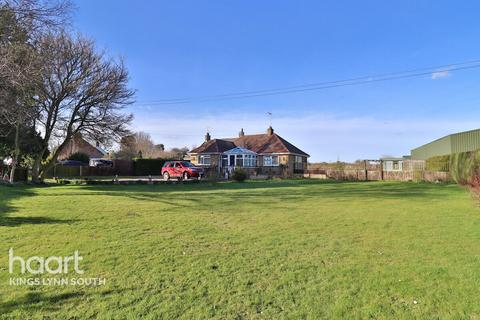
(454, 143)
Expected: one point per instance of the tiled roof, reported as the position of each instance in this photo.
(259, 143)
(102, 151)
(214, 146)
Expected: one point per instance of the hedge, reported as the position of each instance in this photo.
(145, 167)
(465, 166)
(438, 163)
(80, 156)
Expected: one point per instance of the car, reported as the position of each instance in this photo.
(101, 163)
(181, 169)
(72, 163)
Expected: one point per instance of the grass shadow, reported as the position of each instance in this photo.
(32, 299)
(35, 301)
(284, 189)
(11, 193)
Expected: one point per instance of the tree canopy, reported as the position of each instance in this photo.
(54, 84)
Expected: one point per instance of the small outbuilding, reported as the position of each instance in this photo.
(391, 164)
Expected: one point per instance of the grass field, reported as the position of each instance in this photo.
(258, 250)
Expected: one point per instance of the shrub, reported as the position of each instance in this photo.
(438, 163)
(80, 156)
(145, 167)
(465, 167)
(239, 175)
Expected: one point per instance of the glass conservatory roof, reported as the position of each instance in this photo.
(239, 150)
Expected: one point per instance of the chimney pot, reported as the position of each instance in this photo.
(242, 133)
(270, 130)
(207, 136)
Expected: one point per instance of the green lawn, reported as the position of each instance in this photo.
(258, 250)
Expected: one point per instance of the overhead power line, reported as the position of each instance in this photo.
(473, 64)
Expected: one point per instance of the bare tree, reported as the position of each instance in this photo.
(76, 88)
(40, 16)
(81, 91)
(144, 144)
(139, 143)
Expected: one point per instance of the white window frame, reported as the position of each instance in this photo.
(399, 165)
(268, 161)
(239, 157)
(224, 160)
(389, 165)
(249, 161)
(202, 158)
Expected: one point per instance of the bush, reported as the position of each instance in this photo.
(145, 167)
(465, 166)
(80, 156)
(438, 163)
(239, 175)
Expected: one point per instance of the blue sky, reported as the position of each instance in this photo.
(176, 49)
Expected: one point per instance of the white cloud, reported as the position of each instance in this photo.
(440, 74)
(324, 137)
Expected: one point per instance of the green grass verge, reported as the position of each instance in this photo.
(257, 250)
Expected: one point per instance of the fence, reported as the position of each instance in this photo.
(120, 167)
(374, 170)
(378, 175)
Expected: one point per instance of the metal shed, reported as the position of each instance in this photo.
(453, 143)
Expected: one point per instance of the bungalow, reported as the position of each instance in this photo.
(79, 144)
(266, 153)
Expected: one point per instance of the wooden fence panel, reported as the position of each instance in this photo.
(376, 175)
(120, 167)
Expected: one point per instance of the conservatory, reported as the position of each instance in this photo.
(239, 157)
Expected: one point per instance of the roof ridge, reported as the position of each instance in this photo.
(94, 145)
(246, 135)
(259, 143)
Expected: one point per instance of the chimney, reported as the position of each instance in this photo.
(207, 137)
(270, 131)
(97, 144)
(241, 133)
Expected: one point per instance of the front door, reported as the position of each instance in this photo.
(232, 161)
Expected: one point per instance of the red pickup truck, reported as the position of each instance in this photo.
(181, 169)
